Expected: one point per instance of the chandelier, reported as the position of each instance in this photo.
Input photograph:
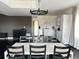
(38, 11)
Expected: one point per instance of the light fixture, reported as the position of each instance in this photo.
(38, 11)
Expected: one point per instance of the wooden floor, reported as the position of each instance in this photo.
(76, 54)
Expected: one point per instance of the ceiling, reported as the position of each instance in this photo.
(22, 7)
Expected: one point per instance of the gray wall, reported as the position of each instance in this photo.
(8, 23)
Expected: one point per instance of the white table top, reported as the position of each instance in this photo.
(49, 47)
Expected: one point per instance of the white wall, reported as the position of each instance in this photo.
(47, 22)
(69, 11)
(76, 41)
(67, 26)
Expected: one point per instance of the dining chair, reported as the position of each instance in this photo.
(23, 39)
(61, 52)
(53, 40)
(37, 52)
(16, 52)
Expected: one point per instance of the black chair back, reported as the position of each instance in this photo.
(16, 52)
(35, 54)
(63, 52)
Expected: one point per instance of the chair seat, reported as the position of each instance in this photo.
(18, 57)
(24, 40)
(55, 57)
(58, 57)
(37, 56)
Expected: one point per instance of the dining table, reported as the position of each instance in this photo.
(49, 48)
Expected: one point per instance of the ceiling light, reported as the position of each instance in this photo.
(38, 11)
